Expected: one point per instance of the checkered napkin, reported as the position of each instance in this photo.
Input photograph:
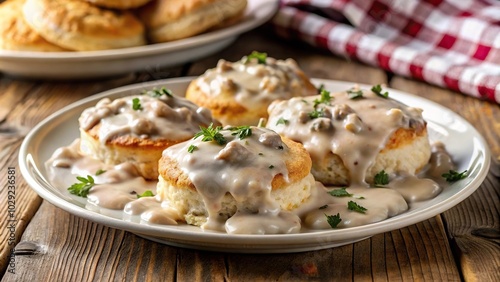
(450, 43)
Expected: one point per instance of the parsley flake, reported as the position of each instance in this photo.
(316, 113)
(282, 121)
(271, 166)
(325, 98)
(82, 188)
(156, 93)
(353, 94)
(261, 57)
(192, 148)
(323, 207)
(377, 89)
(147, 193)
(333, 220)
(211, 134)
(353, 206)
(453, 175)
(99, 172)
(241, 132)
(136, 104)
(340, 192)
(381, 179)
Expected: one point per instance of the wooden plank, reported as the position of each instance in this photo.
(75, 249)
(473, 225)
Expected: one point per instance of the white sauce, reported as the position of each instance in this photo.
(355, 130)
(244, 168)
(172, 118)
(248, 176)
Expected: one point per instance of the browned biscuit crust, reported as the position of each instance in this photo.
(16, 34)
(80, 26)
(168, 20)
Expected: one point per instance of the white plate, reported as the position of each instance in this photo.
(465, 144)
(92, 64)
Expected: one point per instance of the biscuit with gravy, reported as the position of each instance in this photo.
(254, 173)
(138, 128)
(239, 93)
(354, 135)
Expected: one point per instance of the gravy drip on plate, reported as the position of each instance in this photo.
(355, 130)
(164, 117)
(244, 168)
(254, 84)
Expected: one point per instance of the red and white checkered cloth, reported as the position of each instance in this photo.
(450, 43)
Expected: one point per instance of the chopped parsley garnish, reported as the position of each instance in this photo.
(333, 220)
(323, 207)
(381, 179)
(453, 175)
(354, 94)
(261, 154)
(325, 98)
(304, 101)
(82, 188)
(192, 148)
(241, 132)
(99, 172)
(340, 192)
(147, 193)
(280, 147)
(377, 89)
(136, 104)
(156, 93)
(261, 57)
(353, 206)
(211, 134)
(282, 121)
(271, 166)
(317, 113)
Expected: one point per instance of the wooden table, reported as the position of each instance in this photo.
(459, 244)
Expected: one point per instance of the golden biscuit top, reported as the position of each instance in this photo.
(83, 18)
(15, 30)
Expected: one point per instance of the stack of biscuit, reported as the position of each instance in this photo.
(88, 25)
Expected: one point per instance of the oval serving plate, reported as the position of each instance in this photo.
(463, 142)
(105, 63)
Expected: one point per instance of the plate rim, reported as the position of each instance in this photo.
(261, 241)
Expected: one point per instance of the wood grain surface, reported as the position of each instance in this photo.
(460, 244)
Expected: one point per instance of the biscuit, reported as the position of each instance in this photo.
(114, 132)
(168, 20)
(351, 140)
(16, 34)
(80, 26)
(239, 93)
(119, 4)
(262, 167)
